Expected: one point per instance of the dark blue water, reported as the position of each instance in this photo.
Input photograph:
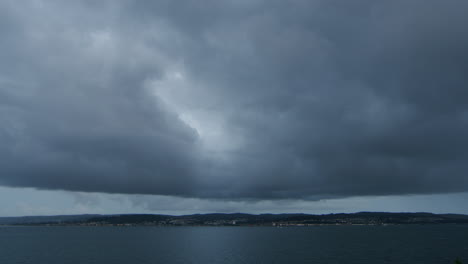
(325, 244)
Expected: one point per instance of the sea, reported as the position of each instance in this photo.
(422, 244)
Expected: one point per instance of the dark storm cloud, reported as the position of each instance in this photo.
(75, 114)
(315, 98)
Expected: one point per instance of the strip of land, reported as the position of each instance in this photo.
(238, 219)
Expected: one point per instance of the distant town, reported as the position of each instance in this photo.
(238, 219)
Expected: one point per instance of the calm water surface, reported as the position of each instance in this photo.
(325, 244)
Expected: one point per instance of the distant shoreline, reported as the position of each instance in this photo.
(239, 219)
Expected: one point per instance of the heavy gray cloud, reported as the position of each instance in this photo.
(235, 99)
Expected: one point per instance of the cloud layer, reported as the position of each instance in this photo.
(235, 99)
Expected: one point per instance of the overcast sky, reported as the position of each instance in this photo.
(233, 106)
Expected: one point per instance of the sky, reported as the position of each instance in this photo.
(314, 106)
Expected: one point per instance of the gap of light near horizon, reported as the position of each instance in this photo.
(27, 202)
